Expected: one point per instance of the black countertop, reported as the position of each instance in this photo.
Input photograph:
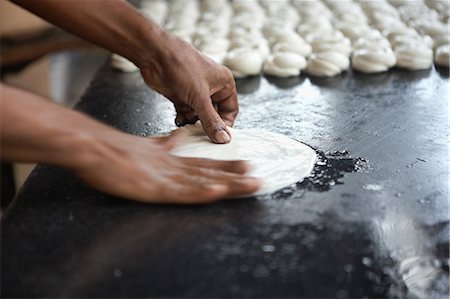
(62, 239)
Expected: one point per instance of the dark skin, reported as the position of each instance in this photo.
(124, 165)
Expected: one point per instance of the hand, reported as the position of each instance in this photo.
(198, 87)
(142, 169)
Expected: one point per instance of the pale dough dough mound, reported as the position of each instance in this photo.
(286, 36)
(289, 41)
(122, 64)
(244, 62)
(334, 42)
(277, 160)
(442, 55)
(371, 43)
(254, 43)
(353, 32)
(303, 49)
(214, 48)
(284, 64)
(373, 60)
(405, 40)
(327, 64)
(315, 27)
(414, 56)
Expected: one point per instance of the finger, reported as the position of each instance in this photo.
(227, 103)
(237, 184)
(192, 190)
(236, 166)
(212, 123)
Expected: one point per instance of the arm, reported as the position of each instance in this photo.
(172, 67)
(33, 129)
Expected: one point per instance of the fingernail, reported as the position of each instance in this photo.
(222, 137)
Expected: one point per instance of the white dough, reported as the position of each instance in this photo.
(373, 60)
(122, 64)
(284, 64)
(302, 49)
(277, 160)
(244, 62)
(414, 56)
(442, 55)
(327, 64)
(335, 42)
(371, 43)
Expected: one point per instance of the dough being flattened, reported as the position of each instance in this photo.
(277, 160)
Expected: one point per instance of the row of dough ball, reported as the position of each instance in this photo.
(428, 22)
(258, 40)
(330, 48)
(276, 48)
(371, 52)
(248, 48)
(411, 49)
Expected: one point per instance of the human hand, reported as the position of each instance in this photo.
(198, 87)
(142, 169)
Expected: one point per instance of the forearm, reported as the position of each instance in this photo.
(33, 129)
(112, 24)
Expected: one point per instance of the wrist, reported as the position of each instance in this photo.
(152, 46)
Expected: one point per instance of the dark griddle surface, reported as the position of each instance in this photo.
(63, 239)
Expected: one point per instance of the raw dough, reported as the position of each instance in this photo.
(300, 49)
(277, 160)
(284, 64)
(122, 64)
(244, 62)
(414, 56)
(334, 42)
(373, 60)
(374, 43)
(327, 64)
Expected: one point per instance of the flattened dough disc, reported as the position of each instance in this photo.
(277, 160)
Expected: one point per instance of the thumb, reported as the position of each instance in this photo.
(212, 123)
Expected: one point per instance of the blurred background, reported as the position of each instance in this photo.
(43, 59)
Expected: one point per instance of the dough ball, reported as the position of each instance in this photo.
(373, 60)
(405, 40)
(414, 56)
(302, 49)
(327, 64)
(432, 28)
(284, 64)
(334, 42)
(212, 44)
(371, 43)
(353, 32)
(244, 62)
(314, 28)
(442, 55)
(122, 64)
(342, 46)
(256, 43)
(289, 36)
